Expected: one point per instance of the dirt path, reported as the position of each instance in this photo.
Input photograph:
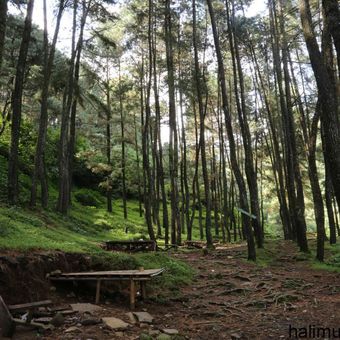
(233, 299)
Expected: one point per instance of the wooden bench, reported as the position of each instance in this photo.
(195, 244)
(130, 245)
(8, 322)
(133, 276)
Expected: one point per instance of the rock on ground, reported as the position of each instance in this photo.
(85, 308)
(115, 323)
(143, 317)
(170, 331)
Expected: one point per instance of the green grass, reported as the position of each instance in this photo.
(23, 229)
(263, 257)
(81, 231)
(332, 258)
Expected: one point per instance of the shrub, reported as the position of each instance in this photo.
(87, 198)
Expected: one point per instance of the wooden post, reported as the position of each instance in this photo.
(7, 323)
(143, 289)
(98, 291)
(132, 294)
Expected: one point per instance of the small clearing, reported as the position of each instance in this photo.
(229, 298)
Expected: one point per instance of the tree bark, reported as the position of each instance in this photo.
(198, 83)
(332, 14)
(64, 181)
(316, 190)
(3, 22)
(233, 158)
(13, 166)
(75, 95)
(146, 136)
(39, 164)
(122, 135)
(173, 147)
(108, 139)
(274, 150)
(327, 97)
(246, 136)
(160, 167)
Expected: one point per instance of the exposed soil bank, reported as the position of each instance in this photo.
(23, 275)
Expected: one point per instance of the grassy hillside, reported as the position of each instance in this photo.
(23, 229)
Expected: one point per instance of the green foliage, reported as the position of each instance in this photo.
(176, 272)
(3, 177)
(332, 263)
(115, 261)
(87, 197)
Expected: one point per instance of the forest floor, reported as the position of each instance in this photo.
(229, 298)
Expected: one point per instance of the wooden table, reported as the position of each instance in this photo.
(131, 245)
(132, 276)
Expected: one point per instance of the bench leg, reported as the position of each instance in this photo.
(143, 289)
(98, 291)
(132, 294)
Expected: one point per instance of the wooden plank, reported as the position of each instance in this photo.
(32, 324)
(143, 289)
(114, 273)
(31, 305)
(132, 294)
(130, 242)
(130, 246)
(98, 291)
(95, 278)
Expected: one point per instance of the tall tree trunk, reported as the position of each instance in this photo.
(108, 138)
(214, 188)
(300, 204)
(186, 193)
(141, 89)
(122, 135)
(250, 169)
(310, 132)
(13, 166)
(233, 157)
(64, 181)
(72, 140)
(160, 167)
(294, 187)
(332, 14)
(185, 213)
(336, 214)
(316, 191)
(330, 211)
(196, 199)
(327, 97)
(173, 147)
(198, 83)
(225, 214)
(3, 23)
(39, 163)
(146, 136)
(276, 159)
(137, 159)
(329, 192)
